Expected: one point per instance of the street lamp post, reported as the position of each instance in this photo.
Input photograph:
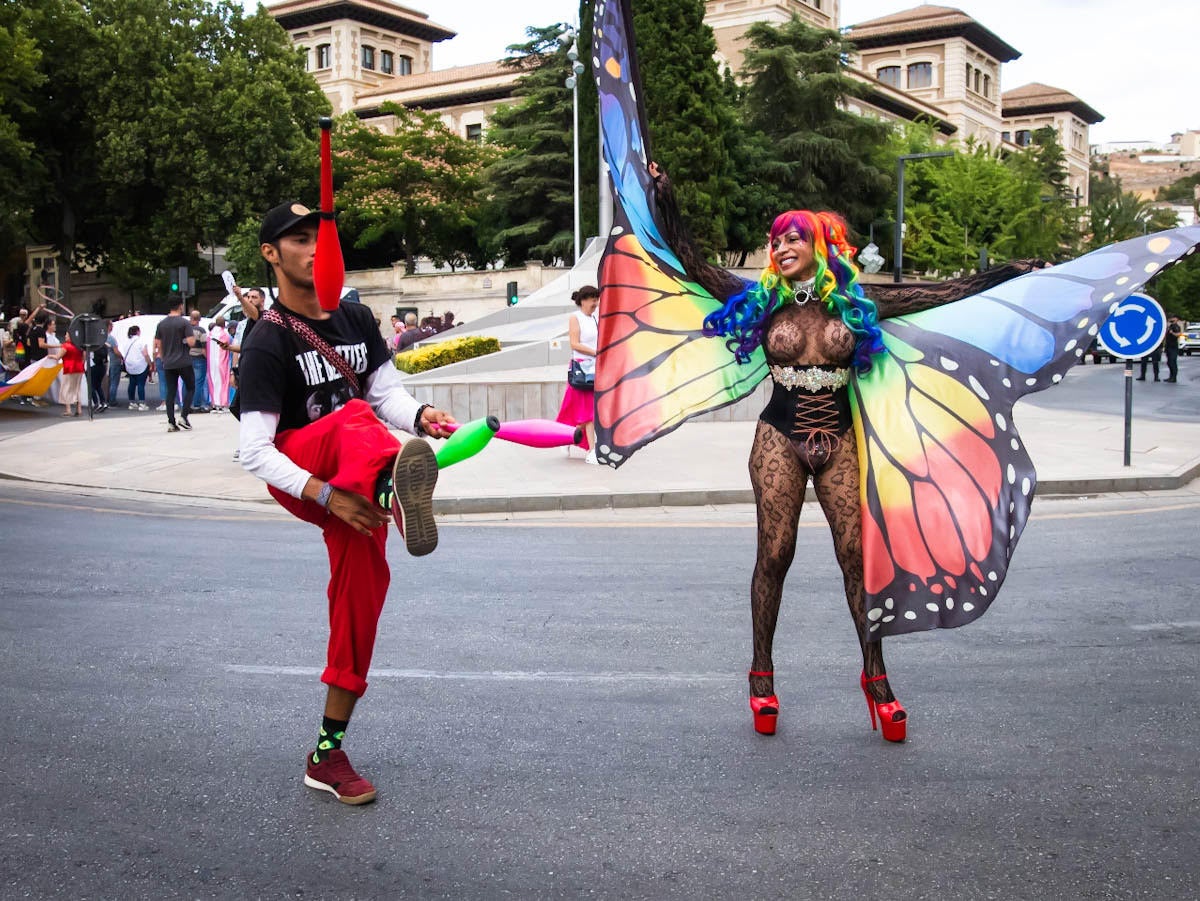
(898, 247)
(572, 82)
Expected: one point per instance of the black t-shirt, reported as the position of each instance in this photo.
(1174, 330)
(35, 351)
(280, 373)
(173, 333)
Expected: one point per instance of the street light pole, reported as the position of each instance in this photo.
(898, 245)
(572, 82)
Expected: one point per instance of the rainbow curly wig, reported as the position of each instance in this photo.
(744, 316)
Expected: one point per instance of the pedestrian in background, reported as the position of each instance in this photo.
(99, 368)
(1153, 358)
(219, 364)
(173, 340)
(71, 380)
(137, 367)
(116, 365)
(199, 355)
(1171, 346)
(579, 398)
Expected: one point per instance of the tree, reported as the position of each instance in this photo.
(689, 114)
(411, 192)
(797, 87)
(1177, 288)
(1117, 215)
(19, 81)
(1182, 190)
(529, 191)
(160, 125)
(975, 201)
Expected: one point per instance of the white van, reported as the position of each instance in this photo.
(229, 307)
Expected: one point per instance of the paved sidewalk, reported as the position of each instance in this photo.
(1076, 453)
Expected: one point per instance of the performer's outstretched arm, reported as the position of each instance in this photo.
(902, 299)
(718, 282)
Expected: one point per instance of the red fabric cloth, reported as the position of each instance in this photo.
(72, 361)
(348, 449)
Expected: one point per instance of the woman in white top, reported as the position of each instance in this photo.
(578, 404)
(137, 365)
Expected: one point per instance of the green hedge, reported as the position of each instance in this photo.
(443, 353)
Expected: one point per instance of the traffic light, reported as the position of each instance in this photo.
(177, 277)
(512, 294)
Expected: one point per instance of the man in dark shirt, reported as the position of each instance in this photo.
(37, 348)
(314, 387)
(1171, 346)
(173, 339)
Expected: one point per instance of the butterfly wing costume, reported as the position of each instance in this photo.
(945, 480)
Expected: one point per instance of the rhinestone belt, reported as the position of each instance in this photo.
(811, 379)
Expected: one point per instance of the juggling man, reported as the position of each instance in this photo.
(317, 387)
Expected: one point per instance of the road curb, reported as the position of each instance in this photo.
(555, 503)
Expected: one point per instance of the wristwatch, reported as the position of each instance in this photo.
(324, 495)
(418, 426)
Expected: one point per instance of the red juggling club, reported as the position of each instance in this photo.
(329, 270)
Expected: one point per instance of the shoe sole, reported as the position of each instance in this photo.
(414, 476)
(321, 786)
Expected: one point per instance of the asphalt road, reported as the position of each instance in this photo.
(558, 710)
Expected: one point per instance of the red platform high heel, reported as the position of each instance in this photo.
(893, 729)
(765, 709)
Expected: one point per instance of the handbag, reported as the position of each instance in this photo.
(577, 378)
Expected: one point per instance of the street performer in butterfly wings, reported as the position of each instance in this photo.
(317, 388)
(816, 323)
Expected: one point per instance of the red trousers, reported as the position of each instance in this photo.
(348, 449)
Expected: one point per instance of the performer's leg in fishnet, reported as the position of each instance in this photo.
(837, 491)
(779, 480)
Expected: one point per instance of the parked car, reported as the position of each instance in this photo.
(1098, 353)
(1189, 341)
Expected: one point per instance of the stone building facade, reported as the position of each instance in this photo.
(933, 63)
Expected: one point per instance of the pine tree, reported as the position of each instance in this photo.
(796, 88)
(529, 210)
(688, 111)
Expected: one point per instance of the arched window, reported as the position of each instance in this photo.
(978, 81)
(368, 57)
(889, 75)
(987, 86)
(1023, 138)
(323, 58)
(920, 75)
(405, 65)
(387, 61)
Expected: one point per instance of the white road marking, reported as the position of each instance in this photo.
(1166, 627)
(490, 676)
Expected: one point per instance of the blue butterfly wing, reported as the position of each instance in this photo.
(942, 465)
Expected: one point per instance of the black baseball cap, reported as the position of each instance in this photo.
(285, 218)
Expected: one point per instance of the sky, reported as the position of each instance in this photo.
(1133, 69)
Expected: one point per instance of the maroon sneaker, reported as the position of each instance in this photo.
(335, 775)
(414, 476)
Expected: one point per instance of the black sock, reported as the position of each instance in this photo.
(383, 488)
(330, 739)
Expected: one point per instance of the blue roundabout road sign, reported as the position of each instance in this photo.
(1135, 328)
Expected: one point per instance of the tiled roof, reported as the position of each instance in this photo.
(439, 78)
(1043, 98)
(294, 14)
(928, 22)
